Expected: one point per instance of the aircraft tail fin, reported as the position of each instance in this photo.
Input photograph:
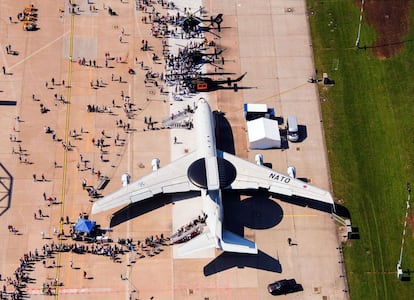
(218, 19)
(232, 242)
(241, 77)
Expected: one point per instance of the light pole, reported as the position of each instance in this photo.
(360, 24)
(399, 268)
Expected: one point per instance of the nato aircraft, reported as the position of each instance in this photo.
(209, 170)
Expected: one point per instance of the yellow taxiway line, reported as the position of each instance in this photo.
(65, 152)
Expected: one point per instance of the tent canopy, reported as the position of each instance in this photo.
(85, 225)
(264, 134)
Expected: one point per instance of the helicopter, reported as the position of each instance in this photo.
(190, 75)
(191, 23)
(198, 57)
(206, 84)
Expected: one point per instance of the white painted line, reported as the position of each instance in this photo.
(39, 50)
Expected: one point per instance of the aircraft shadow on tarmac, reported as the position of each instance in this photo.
(6, 187)
(227, 260)
(255, 212)
(224, 133)
(137, 209)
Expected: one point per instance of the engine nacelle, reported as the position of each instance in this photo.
(125, 178)
(291, 170)
(155, 163)
(259, 159)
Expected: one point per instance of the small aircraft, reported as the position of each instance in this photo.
(191, 23)
(198, 57)
(208, 170)
(191, 74)
(206, 84)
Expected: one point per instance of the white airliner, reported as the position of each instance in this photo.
(209, 170)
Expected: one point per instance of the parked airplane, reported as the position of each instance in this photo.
(210, 170)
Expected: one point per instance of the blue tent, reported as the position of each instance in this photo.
(85, 225)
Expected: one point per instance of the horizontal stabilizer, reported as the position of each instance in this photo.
(232, 242)
(118, 198)
(198, 243)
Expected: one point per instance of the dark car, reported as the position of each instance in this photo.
(282, 287)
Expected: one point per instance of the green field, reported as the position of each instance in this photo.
(369, 126)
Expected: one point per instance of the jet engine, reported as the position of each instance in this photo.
(291, 170)
(155, 163)
(259, 159)
(125, 179)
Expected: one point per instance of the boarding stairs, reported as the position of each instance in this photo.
(179, 120)
(187, 234)
(344, 222)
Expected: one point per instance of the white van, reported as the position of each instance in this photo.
(292, 129)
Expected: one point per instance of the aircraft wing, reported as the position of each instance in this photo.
(252, 176)
(169, 179)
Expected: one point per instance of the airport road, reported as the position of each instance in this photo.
(54, 52)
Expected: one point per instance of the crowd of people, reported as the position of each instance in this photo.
(14, 288)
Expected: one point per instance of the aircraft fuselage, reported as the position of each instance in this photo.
(206, 140)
